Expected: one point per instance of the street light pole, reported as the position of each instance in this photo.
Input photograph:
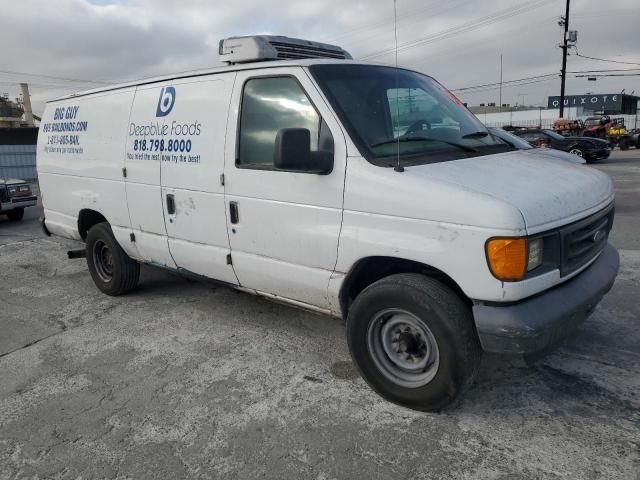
(565, 48)
(500, 100)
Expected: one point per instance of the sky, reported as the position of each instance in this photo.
(65, 46)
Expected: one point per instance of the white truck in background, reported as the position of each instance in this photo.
(363, 191)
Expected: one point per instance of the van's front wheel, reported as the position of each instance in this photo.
(413, 341)
(112, 270)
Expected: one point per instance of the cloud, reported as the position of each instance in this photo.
(115, 40)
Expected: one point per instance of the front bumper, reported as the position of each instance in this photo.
(18, 202)
(599, 153)
(541, 322)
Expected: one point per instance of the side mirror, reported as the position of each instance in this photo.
(293, 153)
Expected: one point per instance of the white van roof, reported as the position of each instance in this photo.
(209, 71)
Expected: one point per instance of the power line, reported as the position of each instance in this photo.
(76, 80)
(410, 13)
(38, 84)
(604, 59)
(607, 70)
(466, 27)
(495, 87)
(538, 79)
(611, 75)
(548, 75)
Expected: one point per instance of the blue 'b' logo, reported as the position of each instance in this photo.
(166, 101)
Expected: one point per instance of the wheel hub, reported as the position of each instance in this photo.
(577, 152)
(403, 348)
(407, 345)
(103, 261)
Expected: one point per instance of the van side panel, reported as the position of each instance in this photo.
(80, 157)
(285, 240)
(190, 172)
(145, 125)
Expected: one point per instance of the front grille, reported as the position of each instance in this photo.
(584, 240)
(22, 199)
(296, 51)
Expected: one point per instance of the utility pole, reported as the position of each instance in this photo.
(500, 102)
(565, 48)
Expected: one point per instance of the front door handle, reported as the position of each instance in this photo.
(171, 204)
(233, 212)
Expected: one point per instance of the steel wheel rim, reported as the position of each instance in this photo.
(403, 348)
(576, 151)
(103, 261)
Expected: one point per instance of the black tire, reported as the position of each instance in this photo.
(15, 215)
(449, 322)
(112, 270)
(624, 145)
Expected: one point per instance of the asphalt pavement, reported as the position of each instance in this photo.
(183, 379)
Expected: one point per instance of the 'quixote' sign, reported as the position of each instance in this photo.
(607, 101)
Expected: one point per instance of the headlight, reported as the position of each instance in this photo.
(19, 190)
(536, 248)
(510, 259)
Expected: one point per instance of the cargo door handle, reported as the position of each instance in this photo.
(233, 212)
(171, 204)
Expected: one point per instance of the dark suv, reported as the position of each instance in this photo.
(591, 149)
(15, 196)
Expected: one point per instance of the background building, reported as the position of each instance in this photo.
(18, 137)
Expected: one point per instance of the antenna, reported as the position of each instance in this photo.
(398, 167)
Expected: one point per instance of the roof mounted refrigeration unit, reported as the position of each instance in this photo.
(260, 48)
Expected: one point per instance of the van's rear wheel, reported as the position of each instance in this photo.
(413, 341)
(112, 270)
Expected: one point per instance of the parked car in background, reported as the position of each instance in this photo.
(591, 149)
(522, 144)
(15, 196)
(635, 137)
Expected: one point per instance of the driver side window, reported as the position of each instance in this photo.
(268, 105)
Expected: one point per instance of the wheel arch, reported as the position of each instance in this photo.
(371, 269)
(87, 218)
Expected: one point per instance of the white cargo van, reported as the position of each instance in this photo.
(363, 191)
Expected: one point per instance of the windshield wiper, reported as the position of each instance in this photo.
(425, 139)
(478, 134)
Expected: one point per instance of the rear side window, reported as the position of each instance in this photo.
(268, 105)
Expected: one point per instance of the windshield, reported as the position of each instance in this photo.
(554, 135)
(510, 138)
(390, 111)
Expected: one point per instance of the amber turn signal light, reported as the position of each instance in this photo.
(507, 258)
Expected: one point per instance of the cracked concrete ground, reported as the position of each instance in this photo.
(183, 379)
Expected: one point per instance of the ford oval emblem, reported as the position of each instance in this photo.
(599, 235)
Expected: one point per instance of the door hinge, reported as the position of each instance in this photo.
(124, 172)
(132, 237)
(222, 179)
(229, 261)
